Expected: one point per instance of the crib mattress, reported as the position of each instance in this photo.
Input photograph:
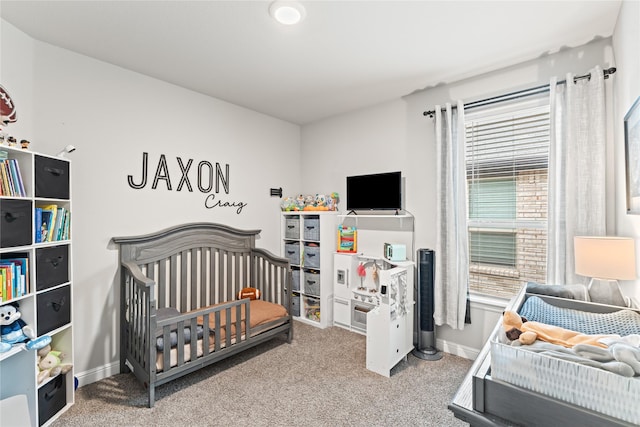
(261, 313)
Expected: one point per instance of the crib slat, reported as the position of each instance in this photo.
(161, 283)
(221, 264)
(173, 277)
(217, 331)
(180, 334)
(184, 268)
(214, 289)
(194, 278)
(228, 266)
(204, 256)
(236, 269)
(193, 327)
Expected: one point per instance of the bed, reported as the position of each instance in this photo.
(194, 294)
(520, 385)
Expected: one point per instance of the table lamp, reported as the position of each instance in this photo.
(606, 260)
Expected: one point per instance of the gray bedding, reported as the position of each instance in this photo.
(167, 313)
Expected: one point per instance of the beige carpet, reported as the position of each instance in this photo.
(319, 379)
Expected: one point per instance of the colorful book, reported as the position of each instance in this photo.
(21, 190)
(9, 283)
(38, 222)
(22, 272)
(67, 226)
(46, 225)
(52, 221)
(5, 180)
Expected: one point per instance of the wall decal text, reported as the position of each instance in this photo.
(209, 178)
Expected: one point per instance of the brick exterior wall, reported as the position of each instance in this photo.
(531, 242)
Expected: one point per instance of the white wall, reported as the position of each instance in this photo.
(112, 116)
(626, 45)
(396, 136)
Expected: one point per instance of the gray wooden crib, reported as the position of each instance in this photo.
(180, 308)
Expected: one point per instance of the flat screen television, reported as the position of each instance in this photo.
(381, 191)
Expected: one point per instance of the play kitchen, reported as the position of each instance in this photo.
(361, 283)
(374, 296)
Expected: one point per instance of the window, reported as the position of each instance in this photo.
(507, 156)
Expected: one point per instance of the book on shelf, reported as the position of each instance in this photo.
(46, 225)
(9, 281)
(52, 223)
(38, 222)
(21, 270)
(11, 179)
(58, 224)
(14, 277)
(6, 191)
(21, 190)
(3, 292)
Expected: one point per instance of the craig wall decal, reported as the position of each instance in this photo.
(210, 179)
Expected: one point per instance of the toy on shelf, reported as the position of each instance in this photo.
(8, 115)
(317, 202)
(288, 204)
(14, 330)
(50, 364)
(332, 201)
(347, 239)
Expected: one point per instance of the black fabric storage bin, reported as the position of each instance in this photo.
(54, 309)
(15, 223)
(52, 397)
(52, 177)
(52, 266)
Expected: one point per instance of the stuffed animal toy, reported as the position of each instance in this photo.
(332, 201)
(14, 330)
(309, 200)
(288, 204)
(50, 364)
(518, 328)
(321, 200)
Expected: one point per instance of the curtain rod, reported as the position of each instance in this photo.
(520, 93)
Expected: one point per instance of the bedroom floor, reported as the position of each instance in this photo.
(319, 379)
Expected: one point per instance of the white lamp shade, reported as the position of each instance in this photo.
(605, 257)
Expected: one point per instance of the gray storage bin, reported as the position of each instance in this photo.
(295, 305)
(296, 279)
(311, 229)
(312, 256)
(292, 228)
(311, 283)
(292, 252)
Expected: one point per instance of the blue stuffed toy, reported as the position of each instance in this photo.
(14, 330)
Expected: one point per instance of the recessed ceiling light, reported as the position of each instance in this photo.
(287, 12)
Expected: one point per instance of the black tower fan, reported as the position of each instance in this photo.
(425, 348)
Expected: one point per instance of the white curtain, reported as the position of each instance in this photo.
(452, 259)
(577, 203)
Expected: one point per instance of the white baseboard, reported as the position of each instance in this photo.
(457, 349)
(97, 374)
(106, 371)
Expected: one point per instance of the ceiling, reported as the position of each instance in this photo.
(345, 55)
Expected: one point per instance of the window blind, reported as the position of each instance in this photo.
(507, 157)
